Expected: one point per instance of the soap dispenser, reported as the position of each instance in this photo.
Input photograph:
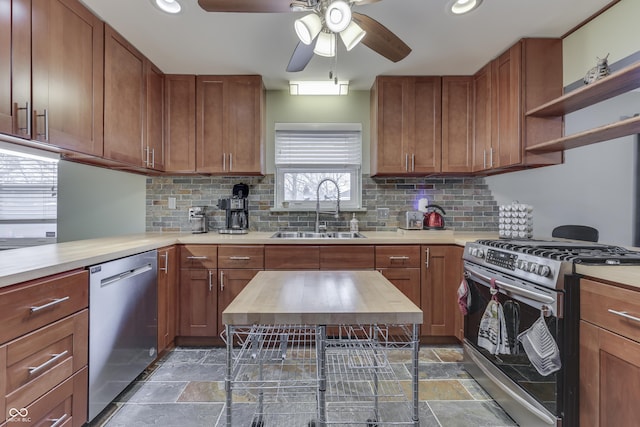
(353, 224)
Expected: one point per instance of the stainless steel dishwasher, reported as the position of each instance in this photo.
(123, 325)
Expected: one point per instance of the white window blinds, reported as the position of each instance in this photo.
(315, 145)
(28, 189)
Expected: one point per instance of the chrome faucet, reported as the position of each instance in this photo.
(336, 214)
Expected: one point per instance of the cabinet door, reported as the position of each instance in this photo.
(19, 77)
(425, 126)
(482, 95)
(347, 257)
(609, 378)
(230, 283)
(180, 123)
(167, 296)
(211, 135)
(407, 280)
(457, 124)
(124, 100)
(198, 303)
(507, 109)
(154, 135)
(292, 257)
(389, 133)
(243, 141)
(67, 72)
(441, 275)
(6, 104)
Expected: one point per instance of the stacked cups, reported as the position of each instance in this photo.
(515, 221)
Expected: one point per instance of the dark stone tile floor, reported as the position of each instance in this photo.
(186, 389)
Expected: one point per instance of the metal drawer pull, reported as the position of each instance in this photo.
(221, 281)
(58, 421)
(166, 262)
(239, 258)
(35, 309)
(625, 315)
(210, 280)
(400, 258)
(54, 358)
(197, 257)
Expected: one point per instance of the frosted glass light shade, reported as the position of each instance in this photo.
(464, 6)
(308, 27)
(337, 16)
(352, 35)
(168, 6)
(326, 44)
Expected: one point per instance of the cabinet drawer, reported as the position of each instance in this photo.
(29, 306)
(235, 256)
(198, 256)
(65, 404)
(347, 257)
(609, 307)
(397, 256)
(292, 257)
(41, 360)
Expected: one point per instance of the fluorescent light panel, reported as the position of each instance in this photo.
(319, 87)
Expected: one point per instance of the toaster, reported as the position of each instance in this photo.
(410, 220)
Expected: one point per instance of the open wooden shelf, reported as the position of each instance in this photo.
(603, 133)
(621, 81)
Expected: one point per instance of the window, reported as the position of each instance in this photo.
(28, 198)
(308, 153)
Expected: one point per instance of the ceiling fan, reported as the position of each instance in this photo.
(319, 29)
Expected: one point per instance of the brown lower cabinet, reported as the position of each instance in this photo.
(167, 296)
(198, 303)
(231, 282)
(609, 355)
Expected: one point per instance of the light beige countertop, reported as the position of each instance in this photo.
(321, 298)
(628, 275)
(20, 265)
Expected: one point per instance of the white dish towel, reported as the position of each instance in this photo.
(492, 334)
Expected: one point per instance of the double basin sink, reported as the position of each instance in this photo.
(313, 235)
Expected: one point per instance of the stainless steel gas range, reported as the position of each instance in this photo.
(533, 375)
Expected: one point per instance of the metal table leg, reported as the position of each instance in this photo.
(414, 375)
(321, 347)
(227, 379)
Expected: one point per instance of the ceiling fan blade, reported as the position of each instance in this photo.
(361, 2)
(301, 57)
(258, 6)
(380, 39)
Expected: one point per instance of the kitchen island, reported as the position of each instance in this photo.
(281, 317)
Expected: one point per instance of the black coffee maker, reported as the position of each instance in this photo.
(237, 211)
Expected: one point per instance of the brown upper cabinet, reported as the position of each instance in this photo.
(180, 123)
(55, 48)
(528, 74)
(406, 128)
(457, 124)
(229, 124)
(133, 100)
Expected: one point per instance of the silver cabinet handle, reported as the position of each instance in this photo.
(398, 258)
(197, 257)
(153, 158)
(58, 421)
(45, 114)
(166, 262)
(406, 162)
(35, 309)
(146, 157)
(224, 161)
(239, 258)
(484, 158)
(210, 280)
(624, 314)
(221, 281)
(27, 110)
(54, 358)
(413, 163)
(491, 157)
(230, 162)
(426, 258)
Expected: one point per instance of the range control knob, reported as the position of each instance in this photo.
(544, 270)
(476, 252)
(533, 268)
(523, 265)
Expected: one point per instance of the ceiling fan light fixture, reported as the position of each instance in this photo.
(352, 35)
(308, 27)
(459, 7)
(319, 87)
(168, 6)
(326, 44)
(338, 16)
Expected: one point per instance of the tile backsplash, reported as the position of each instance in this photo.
(468, 202)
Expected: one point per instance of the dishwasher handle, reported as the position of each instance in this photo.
(125, 275)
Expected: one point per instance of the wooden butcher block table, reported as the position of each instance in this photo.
(279, 322)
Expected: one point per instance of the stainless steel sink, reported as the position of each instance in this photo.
(312, 235)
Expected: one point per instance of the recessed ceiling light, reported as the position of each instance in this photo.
(460, 7)
(168, 6)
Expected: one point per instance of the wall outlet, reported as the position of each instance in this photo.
(172, 202)
(383, 213)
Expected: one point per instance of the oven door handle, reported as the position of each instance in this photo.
(535, 411)
(516, 290)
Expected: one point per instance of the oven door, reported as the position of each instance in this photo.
(529, 397)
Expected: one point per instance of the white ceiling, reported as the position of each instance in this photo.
(199, 42)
